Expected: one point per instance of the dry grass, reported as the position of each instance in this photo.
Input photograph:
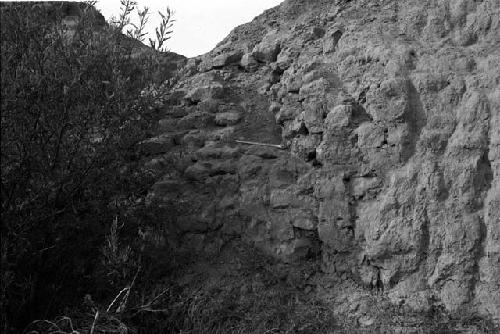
(245, 294)
(241, 291)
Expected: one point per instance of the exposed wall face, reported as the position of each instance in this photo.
(389, 116)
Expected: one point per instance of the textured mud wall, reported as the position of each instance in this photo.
(389, 112)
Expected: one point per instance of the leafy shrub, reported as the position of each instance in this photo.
(72, 114)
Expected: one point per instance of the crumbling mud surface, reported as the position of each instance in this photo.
(388, 114)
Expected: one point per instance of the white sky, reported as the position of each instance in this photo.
(200, 24)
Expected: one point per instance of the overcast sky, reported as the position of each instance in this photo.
(200, 24)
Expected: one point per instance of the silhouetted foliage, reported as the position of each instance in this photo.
(72, 114)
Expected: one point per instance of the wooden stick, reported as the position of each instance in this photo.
(259, 144)
(94, 323)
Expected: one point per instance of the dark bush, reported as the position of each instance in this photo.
(72, 114)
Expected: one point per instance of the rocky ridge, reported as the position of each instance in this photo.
(388, 115)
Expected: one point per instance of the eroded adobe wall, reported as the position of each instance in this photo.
(389, 113)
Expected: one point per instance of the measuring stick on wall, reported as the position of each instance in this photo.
(259, 144)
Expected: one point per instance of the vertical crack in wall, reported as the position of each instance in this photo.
(415, 118)
(484, 181)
